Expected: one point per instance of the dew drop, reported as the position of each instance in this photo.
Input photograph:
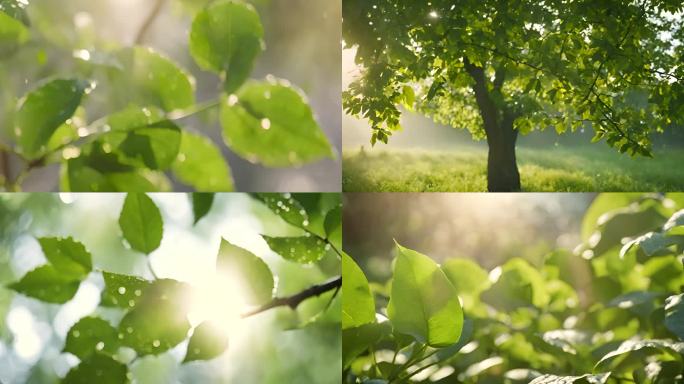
(232, 100)
(99, 346)
(137, 292)
(131, 303)
(156, 343)
(129, 329)
(76, 333)
(266, 123)
(122, 290)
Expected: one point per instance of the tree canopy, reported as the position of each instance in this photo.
(610, 66)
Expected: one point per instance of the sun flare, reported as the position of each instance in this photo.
(219, 299)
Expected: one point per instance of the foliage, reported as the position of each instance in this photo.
(139, 141)
(610, 66)
(528, 323)
(559, 169)
(155, 314)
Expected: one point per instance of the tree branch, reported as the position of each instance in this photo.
(296, 299)
(147, 23)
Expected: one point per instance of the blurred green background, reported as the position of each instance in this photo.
(302, 45)
(273, 347)
(489, 228)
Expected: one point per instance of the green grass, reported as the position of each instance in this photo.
(541, 170)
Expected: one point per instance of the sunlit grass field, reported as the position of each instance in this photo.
(559, 169)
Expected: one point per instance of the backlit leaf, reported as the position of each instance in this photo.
(141, 223)
(208, 341)
(358, 305)
(201, 165)
(226, 37)
(302, 249)
(47, 284)
(271, 123)
(90, 335)
(423, 303)
(67, 256)
(238, 263)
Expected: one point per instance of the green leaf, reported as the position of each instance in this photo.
(90, 335)
(271, 123)
(467, 277)
(423, 303)
(201, 204)
(151, 78)
(155, 145)
(358, 339)
(122, 290)
(47, 284)
(201, 165)
(99, 368)
(67, 256)
(674, 315)
(141, 223)
(632, 346)
(84, 174)
(649, 244)
(15, 9)
(159, 322)
(333, 227)
(207, 342)
(226, 37)
(358, 306)
(287, 207)
(13, 33)
(238, 263)
(302, 249)
(675, 224)
(589, 379)
(520, 285)
(43, 110)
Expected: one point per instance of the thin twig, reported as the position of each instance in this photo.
(296, 299)
(147, 23)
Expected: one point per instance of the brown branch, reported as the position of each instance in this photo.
(296, 299)
(147, 23)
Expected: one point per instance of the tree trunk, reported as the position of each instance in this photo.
(502, 167)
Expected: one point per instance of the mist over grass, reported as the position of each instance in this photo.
(556, 169)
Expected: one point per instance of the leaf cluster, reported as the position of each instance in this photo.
(610, 311)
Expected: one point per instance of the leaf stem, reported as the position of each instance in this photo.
(296, 299)
(149, 266)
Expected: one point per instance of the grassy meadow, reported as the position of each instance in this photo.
(558, 169)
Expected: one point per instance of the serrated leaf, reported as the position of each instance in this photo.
(226, 37)
(423, 303)
(122, 290)
(43, 110)
(67, 256)
(358, 305)
(333, 227)
(150, 78)
(207, 342)
(271, 123)
(154, 146)
(201, 165)
(238, 263)
(287, 207)
(90, 335)
(84, 174)
(99, 368)
(47, 284)
(201, 204)
(159, 322)
(141, 223)
(302, 249)
(674, 315)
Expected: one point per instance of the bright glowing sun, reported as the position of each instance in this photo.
(220, 300)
